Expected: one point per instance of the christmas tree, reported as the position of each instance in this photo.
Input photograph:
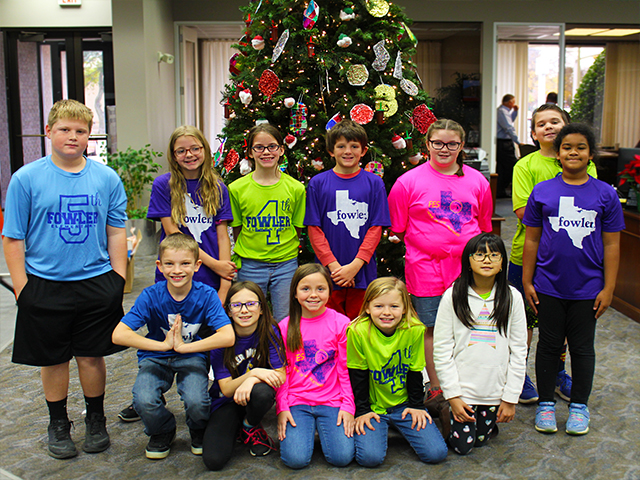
(305, 66)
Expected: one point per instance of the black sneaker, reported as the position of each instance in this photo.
(196, 441)
(159, 445)
(129, 414)
(260, 444)
(96, 438)
(60, 443)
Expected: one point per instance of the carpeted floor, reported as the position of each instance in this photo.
(610, 450)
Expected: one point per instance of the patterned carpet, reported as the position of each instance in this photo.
(609, 451)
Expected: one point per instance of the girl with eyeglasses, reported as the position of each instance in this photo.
(480, 345)
(246, 376)
(435, 209)
(268, 214)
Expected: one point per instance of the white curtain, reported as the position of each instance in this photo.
(214, 64)
(512, 76)
(621, 117)
(428, 60)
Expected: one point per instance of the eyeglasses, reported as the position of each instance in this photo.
(261, 148)
(251, 306)
(493, 256)
(182, 152)
(451, 146)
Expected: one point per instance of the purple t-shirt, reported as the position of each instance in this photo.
(245, 349)
(570, 262)
(345, 209)
(198, 225)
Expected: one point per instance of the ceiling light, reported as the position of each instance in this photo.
(584, 31)
(617, 32)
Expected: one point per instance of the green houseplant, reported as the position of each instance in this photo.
(136, 169)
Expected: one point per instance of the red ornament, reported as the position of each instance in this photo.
(379, 117)
(231, 160)
(361, 114)
(227, 109)
(269, 83)
(422, 118)
(274, 31)
(311, 48)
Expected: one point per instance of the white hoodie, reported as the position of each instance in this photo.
(480, 367)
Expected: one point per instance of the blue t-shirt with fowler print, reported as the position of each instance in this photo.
(63, 216)
(570, 262)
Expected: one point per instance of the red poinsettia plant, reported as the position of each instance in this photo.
(631, 173)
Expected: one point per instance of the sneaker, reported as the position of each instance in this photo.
(159, 445)
(96, 437)
(563, 385)
(197, 437)
(529, 393)
(434, 401)
(129, 414)
(546, 418)
(260, 444)
(578, 421)
(60, 443)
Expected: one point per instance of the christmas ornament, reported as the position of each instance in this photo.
(261, 121)
(233, 64)
(290, 141)
(410, 34)
(379, 116)
(375, 167)
(397, 70)
(409, 143)
(408, 87)
(274, 31)
(318, 164)
(285, 163)
(382, 56)
(298, 122)
(415, 159)
(344, 41)
(231, 160)
(398, 142)
(257, 42)
(218, 154)
(386, 100)
(361, 114)
(269, 83)
(289, 102)
(378, 8)
(357, 75)
(245, 166)
(311, 48)
(245, 96)
(347, 14)
(422, 118)
(227, 109)
(333, 121)
(311, 15)
(394, 239)
(279, 48)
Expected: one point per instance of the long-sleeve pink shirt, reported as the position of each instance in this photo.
(317, 373)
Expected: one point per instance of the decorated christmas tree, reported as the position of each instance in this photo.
(303, 66)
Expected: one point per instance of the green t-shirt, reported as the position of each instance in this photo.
(388, 360)
(268, 216)
(527, 173)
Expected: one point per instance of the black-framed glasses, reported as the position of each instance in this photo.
(261, 148)
(182, 152)
(451, 146)
(494, 257)
(251, 306)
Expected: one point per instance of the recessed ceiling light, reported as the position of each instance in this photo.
(617, 32)
(585, 31)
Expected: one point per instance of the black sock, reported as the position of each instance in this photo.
(57, 410)
(94, 405)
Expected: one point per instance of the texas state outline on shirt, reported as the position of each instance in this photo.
(353, 214)
(196, 219)
(577, 222)
(456, 212)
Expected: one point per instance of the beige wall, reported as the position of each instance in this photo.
(39, 13)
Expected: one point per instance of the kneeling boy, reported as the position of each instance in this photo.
(173, 312)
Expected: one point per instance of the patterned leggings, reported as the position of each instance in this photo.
(465, 436)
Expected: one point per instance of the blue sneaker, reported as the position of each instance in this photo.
(529, 393)
(563, 385)
(578, 421)
(546, 417)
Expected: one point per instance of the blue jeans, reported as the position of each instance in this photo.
(155, 377)
(426, 308)
(296, 449)
(274, 279)
(371, 448)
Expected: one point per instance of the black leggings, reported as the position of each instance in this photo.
(575, 320)
(465, 436)
(225, 422)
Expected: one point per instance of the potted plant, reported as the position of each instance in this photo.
(136, 169)
(631, 173)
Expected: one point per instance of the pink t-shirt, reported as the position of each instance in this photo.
(438, 214)
(317, 373)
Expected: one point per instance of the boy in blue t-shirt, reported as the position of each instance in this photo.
(66, 249)
(173, 312)
(346, 210)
